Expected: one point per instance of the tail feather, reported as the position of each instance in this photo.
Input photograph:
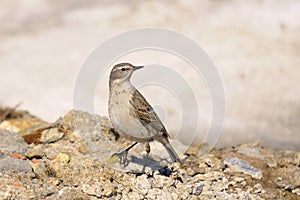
(174, 156)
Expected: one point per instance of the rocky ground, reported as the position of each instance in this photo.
(254, 44)
(71, 159)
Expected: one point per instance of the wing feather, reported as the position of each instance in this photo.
(144, 111)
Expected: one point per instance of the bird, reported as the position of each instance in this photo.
(132, 116)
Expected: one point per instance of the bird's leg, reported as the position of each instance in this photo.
(123, 154)
(147, 148)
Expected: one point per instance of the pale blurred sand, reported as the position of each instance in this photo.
(255, 46)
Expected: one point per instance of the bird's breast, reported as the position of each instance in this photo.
(123, 116)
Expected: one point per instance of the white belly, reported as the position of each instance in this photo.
(124, 122)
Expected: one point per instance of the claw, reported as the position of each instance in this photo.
(112, 158)
(122, 155)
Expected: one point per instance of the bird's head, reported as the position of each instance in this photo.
(122, 72)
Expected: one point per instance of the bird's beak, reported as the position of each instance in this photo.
(137, 67)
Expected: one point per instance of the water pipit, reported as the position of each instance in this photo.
(132, 116)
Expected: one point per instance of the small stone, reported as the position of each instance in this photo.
(135, 195)
(189, 188)
(243, 166)
(161, 181)
(16, 165)
(57, 165)
(11, 142)
(258, 188)
(108, 190)
(174, 195)
(35, 152)
(154, 193)
(238, 190)
(142, 184)
(197, 190)
(296, 191)
(63, 158)
(251, 152)
(185, 195)
(40, 170)
(167, 194)
(272, 163)
(54, 181)
(238, 179)
(94, 189)
(285, 162)
(201, 170)
(51, 135)
(71, 193)
(190, 172)
(289, 178)
(223, 195)
(82, 148)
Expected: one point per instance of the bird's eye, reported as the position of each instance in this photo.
(123, 69)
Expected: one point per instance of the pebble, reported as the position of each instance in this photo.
(243, 166)
(251, 152)
(257, 188)
(40, 170)
(290, 178)
(198, 190)
(57, 164)
(134, 195)
(51, 135)
(167, 194)
(190, 172)
(296, 191)
(94, 189)
(272, 163)
(161, 181)
(16, 165)
(71, 193)
(142, 184)
(108, 190)
(238, 179)
(63, 158)
(35, 152)
(11, 142)
(154, 193)
(53, 181)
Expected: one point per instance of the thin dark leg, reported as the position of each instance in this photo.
(130, 147)
(125, 154)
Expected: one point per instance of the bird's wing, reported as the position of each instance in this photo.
(145, 112)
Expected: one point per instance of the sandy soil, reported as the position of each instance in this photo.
(255, 46)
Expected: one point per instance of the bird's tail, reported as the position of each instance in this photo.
(172, 153)
(174, 156)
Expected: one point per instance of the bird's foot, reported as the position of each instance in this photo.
(123, 157)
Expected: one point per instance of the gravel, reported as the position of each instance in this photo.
(69, 167)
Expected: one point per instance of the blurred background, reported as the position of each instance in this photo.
(255, 45)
